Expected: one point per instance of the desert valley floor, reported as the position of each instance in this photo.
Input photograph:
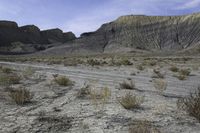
(62, 109)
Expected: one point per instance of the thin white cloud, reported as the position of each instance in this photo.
(189, 5)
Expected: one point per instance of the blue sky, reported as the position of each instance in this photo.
(87, 15)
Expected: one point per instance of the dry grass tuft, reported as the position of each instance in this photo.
(100, 97)
(20, 96)
(157, 74)
(185, 72)
(84, 92)
(160, 85)
(130, 85)
(174, 69)
(181, 77)
(152, 62)
(140, 67)
(63, 81)
(125, 62)
(8, 79)
(191, 104)
(130, 101)
(6, 70)
(93, 62)
(143, 127)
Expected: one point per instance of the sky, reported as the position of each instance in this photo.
(81, 16)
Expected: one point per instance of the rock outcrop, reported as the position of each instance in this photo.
(144, 33)
(11, 34)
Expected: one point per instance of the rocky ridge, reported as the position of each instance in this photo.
(11, 34)
(145, 33)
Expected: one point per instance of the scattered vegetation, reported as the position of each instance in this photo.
(63, 81)
(20, 96)
(125, 62)
(130, 85)
(130, 101)
(93, 62)
(142, 127)
(160, 85)
(191, 104)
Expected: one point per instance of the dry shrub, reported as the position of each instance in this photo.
(54, 123)
(84, 92)
(160, 85)
(100, 97)
(191, 104)
(174, 69)
(140, 67)
(63, 81)
(152, 62)
(181, 77)
(8, 79)
(185, 72)
(6, 70)
(93, 62)
(125, 62)
(130, 85)
(130, 101)
(142, 127)
(20, 96)
(157, 74)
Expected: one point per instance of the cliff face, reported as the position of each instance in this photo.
(144, 32)
(127, 33)
(10, 33)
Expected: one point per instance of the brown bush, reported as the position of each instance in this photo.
(130, 101)
(143, 127)
(63, 81)
(191, 104)
(20, 95)
(130, 85)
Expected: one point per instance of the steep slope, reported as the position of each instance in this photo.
(12, 37)
(144, 32)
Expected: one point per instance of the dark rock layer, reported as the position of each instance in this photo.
(30, 34)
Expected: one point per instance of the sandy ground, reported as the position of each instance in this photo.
(63, 112)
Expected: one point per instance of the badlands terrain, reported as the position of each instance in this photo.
(136, 74)
(98, 94)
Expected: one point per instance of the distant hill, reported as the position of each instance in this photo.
(29, 38)
(126, 34)
(168, 33)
